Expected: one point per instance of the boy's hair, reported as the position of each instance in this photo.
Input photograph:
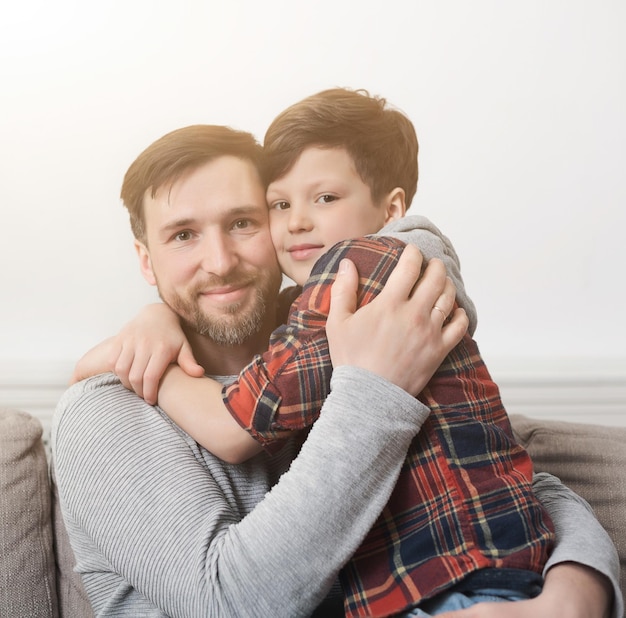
(381, 140)
(176, 154)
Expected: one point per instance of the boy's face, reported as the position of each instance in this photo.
(320, 201)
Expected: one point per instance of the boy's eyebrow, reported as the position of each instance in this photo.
(312, 185)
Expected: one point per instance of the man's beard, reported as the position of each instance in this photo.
(234, 327)
(237, 323)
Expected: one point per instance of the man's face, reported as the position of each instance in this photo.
(209, 251)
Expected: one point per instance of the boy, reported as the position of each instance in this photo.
(463, 517)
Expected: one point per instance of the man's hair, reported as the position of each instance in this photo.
(381, 140)
(179, 153)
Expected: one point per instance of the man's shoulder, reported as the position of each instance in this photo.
(90, 388)
(85, 401)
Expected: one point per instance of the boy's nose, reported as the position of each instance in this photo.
(299, 219)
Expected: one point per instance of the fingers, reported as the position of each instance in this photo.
(455, 329)
(123, 364)
(343, 292)
(141, 367)
(100, 359)
(151, 378)
(404, 276)
(187, 362)
(140, 370)
(444, 305)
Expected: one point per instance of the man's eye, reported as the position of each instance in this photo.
(327, 198)
(241, 224)
(183, 236)
(282, 205)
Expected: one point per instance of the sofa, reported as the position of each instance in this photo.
(36, 575)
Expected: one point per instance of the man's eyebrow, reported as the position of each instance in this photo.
(236, 211)
(177, 224)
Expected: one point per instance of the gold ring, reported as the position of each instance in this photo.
(443, 313)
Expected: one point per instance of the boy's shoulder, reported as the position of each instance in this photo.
(286, 297)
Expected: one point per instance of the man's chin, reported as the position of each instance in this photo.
(233, 328)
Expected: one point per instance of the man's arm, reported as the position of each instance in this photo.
(146, 508)
(430, 240)
(581, 542)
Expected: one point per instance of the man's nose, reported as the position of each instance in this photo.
(218, 255)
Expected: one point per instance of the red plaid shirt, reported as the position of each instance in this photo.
(464, 498)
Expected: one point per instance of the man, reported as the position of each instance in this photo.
(158, 525)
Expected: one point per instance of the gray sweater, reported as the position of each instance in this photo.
(158, 522)
(160, 527)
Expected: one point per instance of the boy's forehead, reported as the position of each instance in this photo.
(317, 158)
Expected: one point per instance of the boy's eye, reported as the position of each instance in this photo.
(281, 205)
(327, 198)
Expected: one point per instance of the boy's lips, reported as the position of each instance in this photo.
(304, 251)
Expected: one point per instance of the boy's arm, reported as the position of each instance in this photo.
(197, 407)
(197, 548)
(141, 356)
(283, 390)
(141, 352)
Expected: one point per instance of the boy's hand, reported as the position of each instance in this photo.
(141, 352)
(100, 359)
(406, 332)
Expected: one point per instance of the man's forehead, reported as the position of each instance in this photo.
(224, 186)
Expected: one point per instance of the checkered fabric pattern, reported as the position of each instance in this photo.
(464, 497)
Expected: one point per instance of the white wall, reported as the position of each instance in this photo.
(520, 110)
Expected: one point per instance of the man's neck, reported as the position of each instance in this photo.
(227, 359)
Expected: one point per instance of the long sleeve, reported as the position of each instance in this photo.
(428, 238)
(160, 527)
(284, 389)
(580, 537)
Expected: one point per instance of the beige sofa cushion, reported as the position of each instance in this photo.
(591, 460)
(73, 600)
(27, 576)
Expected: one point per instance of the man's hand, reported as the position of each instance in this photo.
(570, 591)
(141, 352)
(406, 332)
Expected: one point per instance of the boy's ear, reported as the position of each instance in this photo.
(145, 263)
(395, 205)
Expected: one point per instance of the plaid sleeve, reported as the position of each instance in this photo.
(284, 389)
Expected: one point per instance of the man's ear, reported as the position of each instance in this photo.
(145, 263)
(395, 205)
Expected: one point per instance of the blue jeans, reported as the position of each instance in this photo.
(449, 601)
(486, 586)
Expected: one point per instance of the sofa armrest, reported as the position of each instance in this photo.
(27, 570)
(590, 460)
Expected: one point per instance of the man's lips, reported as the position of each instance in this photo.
(225, 293)
(304, 251)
